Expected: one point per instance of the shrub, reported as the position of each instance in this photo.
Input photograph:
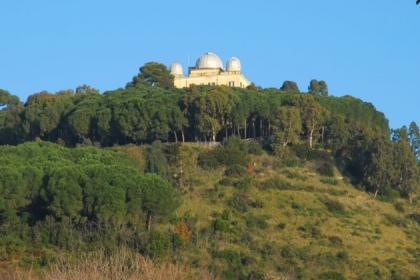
(310, 229)
(156, 245)
(257, 203)
(415, 217)
(228, 155)
(326, 169)
(329, 181)
(258, 222)
(281, 226)
(334, 206)
(239, 203)
(221, 225)
(399, 207)
(296, 205)
(243, 185)
(342, 255)
(294, 175)
(226, 182)
(255, 148)
(235, 170)
(335, 241)
(210, 159)
(275, 183)
(331, 275)
(395, 220)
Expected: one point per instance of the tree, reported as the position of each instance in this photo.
(159, 198)
(11, 128)
(290, 86)
(43, 113)
(287, 125)
(63, 193)
(405, 168)
(7, 99)
(86, 89)
(155, 159)
(153, 74)
(318, 88)
(414, 139)
(379, 166)
(311, 113)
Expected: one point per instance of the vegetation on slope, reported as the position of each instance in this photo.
(301, 185)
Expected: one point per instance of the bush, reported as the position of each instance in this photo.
(275, 183)
(226, 182)
(329, 181)
(399, 207)
(239, 203)
(395, 220)
(255, 148)
(335, 241)
(235, 170)
(221, 225)
(415, 217)
(210, 159)
(243, 185)
(331, 275)
(228, 155)
(258, 222)
(294, 175)
(156, 245)
(281, 226)
(334, 206)
(326, 169)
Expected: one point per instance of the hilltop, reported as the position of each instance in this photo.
(206, 182)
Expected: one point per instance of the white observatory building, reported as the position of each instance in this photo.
(209, 70)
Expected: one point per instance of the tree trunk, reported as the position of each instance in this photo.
(311, 134)
(182, 135)
(245, 130)
(149, 221)
(261, 128)
(176, 137)
(376, 193)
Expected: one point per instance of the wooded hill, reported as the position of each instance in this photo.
(130, 168)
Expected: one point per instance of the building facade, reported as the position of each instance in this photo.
(209, 70)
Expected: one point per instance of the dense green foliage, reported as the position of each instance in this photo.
(150, 109)
(60, 196)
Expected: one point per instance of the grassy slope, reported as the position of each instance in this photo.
(368, 240)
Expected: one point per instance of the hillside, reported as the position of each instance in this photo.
(258, 216)
(150, 181)
(291, 222)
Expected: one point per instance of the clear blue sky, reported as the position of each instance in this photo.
(367, 48)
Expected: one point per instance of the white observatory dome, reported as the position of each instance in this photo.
(233, 64)
(176, 69)
(209, 61)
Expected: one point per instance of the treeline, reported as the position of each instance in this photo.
(150, 109)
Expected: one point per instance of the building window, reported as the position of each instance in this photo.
(231, 83)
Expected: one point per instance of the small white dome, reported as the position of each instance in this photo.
(176, 69)
(209, 61)
(233, 64)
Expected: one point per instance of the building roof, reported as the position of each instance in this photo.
(209, 60)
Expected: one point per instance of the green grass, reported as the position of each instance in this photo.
(306, 226)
